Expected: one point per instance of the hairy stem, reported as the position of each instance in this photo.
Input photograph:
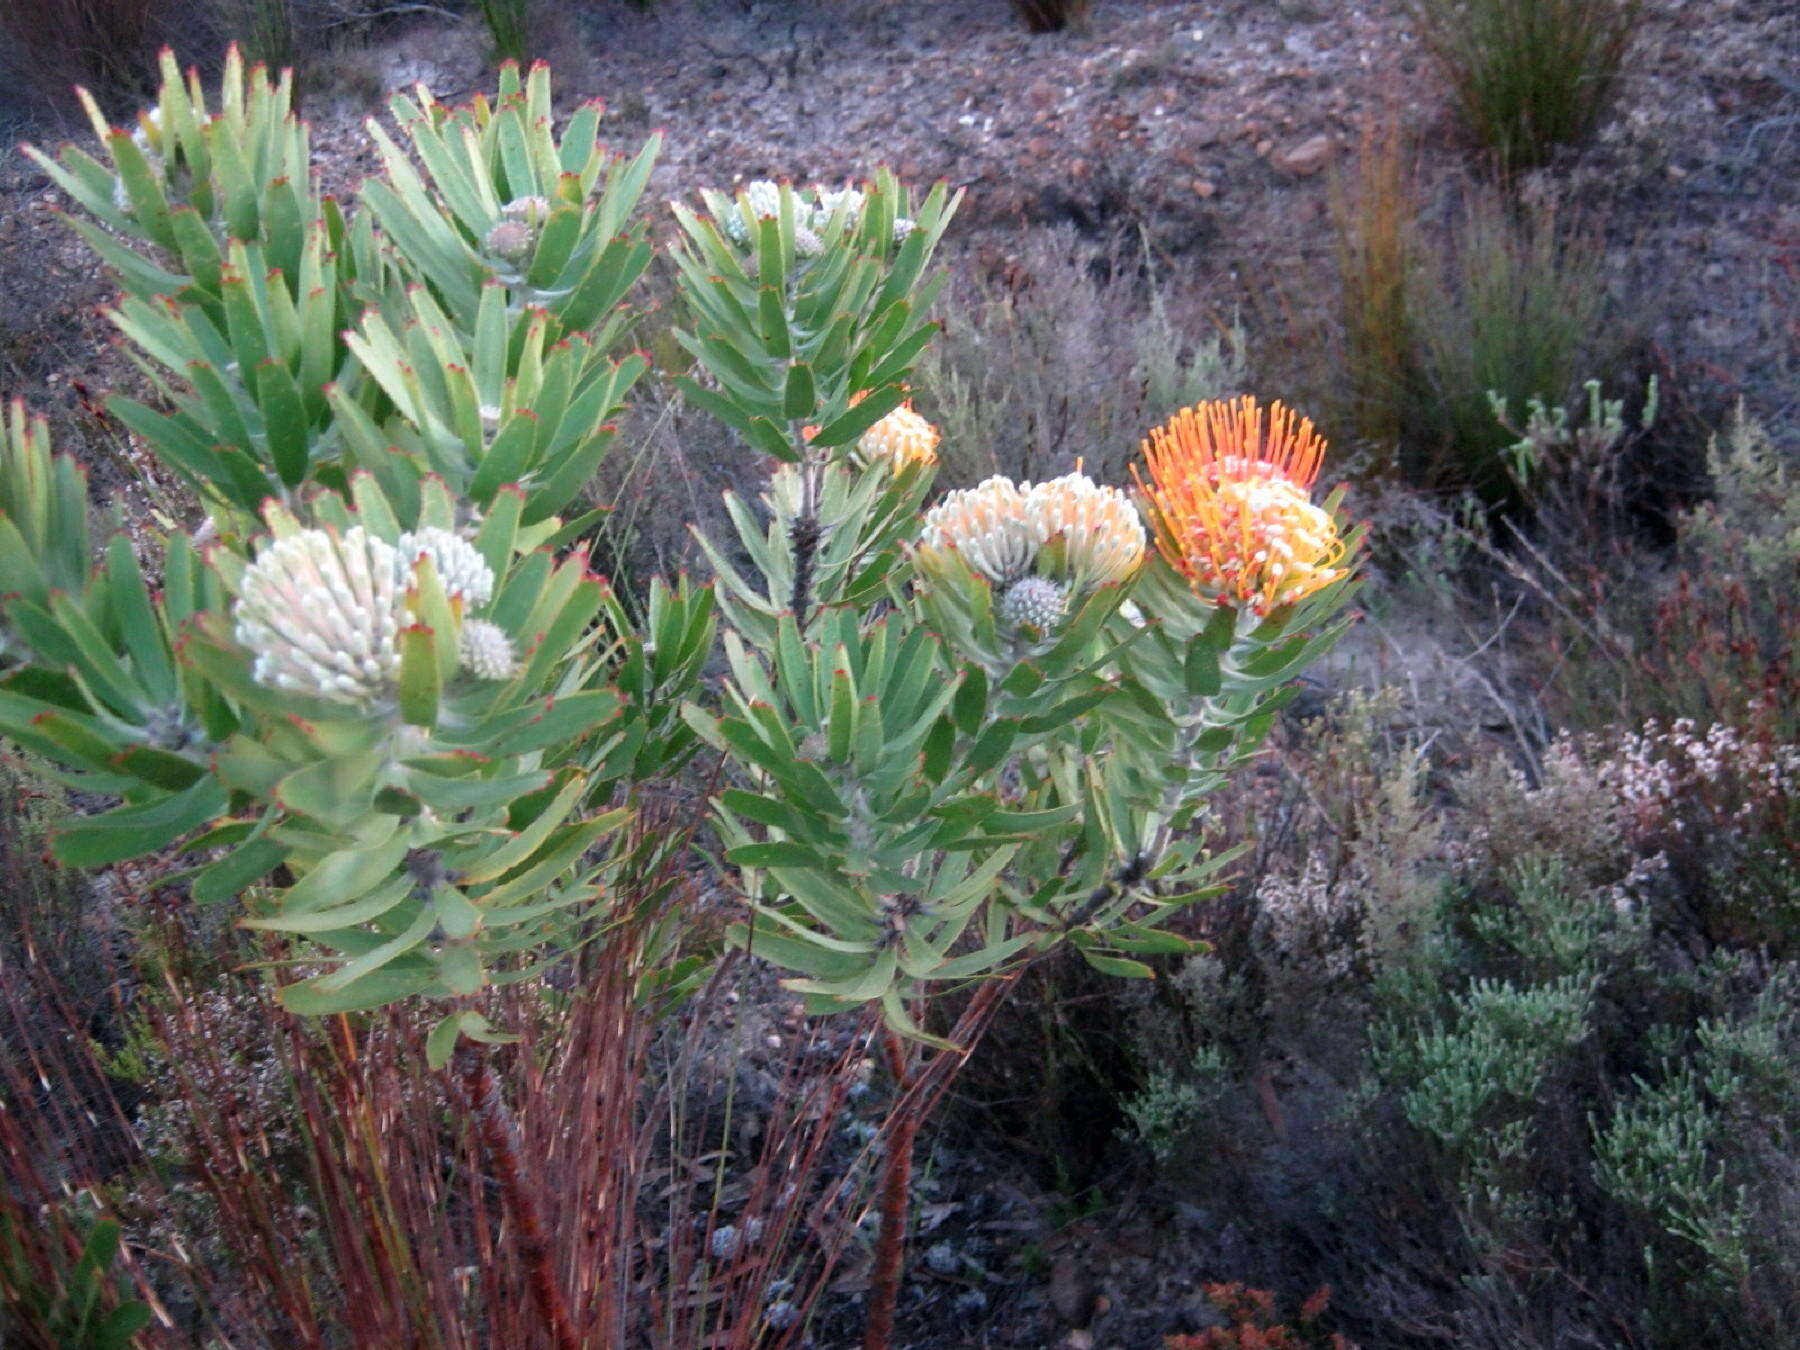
(499, 1136)
(918, 1090)
(896, 1188)
(804, 535)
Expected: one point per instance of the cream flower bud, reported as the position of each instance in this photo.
(485, 651)
(532, 211)
(461, 569)
(512, 242)
(807, 243)
(322, 615)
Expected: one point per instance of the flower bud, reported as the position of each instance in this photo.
(462, 571)
(1035, 602)
(485, 651)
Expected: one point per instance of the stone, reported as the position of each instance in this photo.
(1307, 157)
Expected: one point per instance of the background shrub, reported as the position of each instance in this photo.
(1512, 305)
(107, 45)
(1051, 16)
(1374, 213)
(511, 26)
(269, 31)
(1041, 364)
(1528, 75)
(1571, 1082)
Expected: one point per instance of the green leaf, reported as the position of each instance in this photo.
(375, 990)
(460, 968)
(870, 983)
(346, 875)
(1200, 670)
(132, 831)
(798, 398)
(779, 853)
(859, 419)
(441, 1043)
(367, 909)
(519, 849)
(340, 980)
(477, 1028)
(420, 685)
(970, 704)
(1117, 965)
(285, 421)
(992, 746)
(117, 1328)
(230, 875)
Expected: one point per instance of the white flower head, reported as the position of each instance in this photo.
(763, 198)
(1069, 528)
(462, 571)
(807, 243)
(1089, 532)
(322, 614)
(828, 201)
(986, 526)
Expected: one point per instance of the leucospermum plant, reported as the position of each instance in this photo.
(376, 697)
(967, 732)
(380, 702)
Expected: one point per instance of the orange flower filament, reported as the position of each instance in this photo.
(1231, 506)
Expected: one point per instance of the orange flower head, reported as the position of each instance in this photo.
(900, 439)
(1231, 505)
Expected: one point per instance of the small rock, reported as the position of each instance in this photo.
(1202, 188)
(971, 1303)
(1072, 1292)
(1306, 158)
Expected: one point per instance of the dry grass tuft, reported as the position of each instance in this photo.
(1374, 210)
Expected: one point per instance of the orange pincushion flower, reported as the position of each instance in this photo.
(899, 439)
(1231, 506)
